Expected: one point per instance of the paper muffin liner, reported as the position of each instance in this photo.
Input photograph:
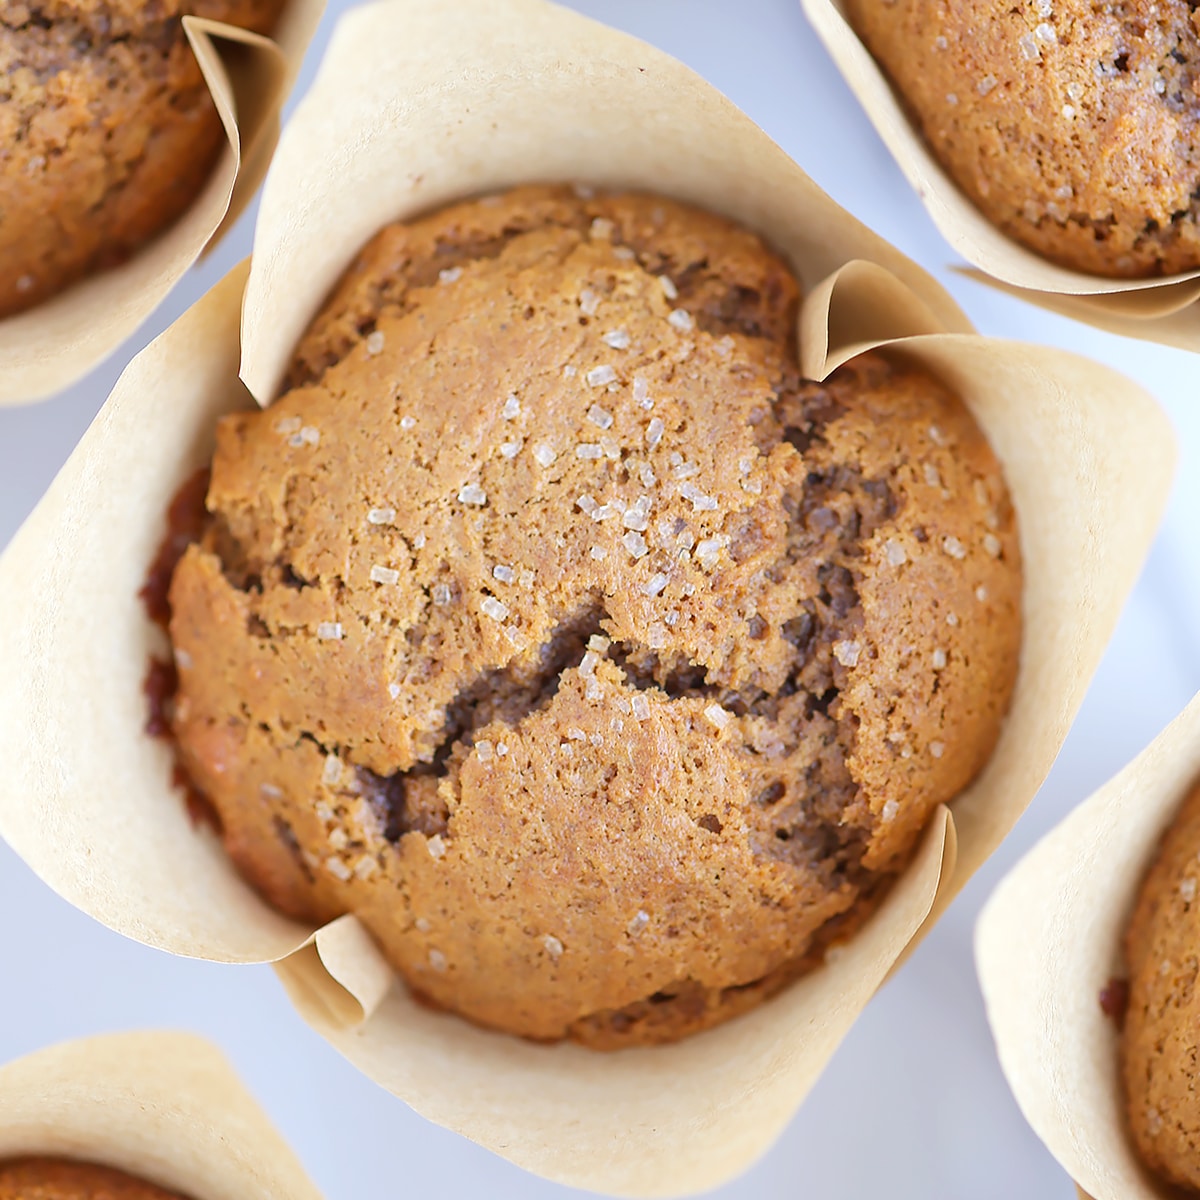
(1067, 903)
(1165, 310)
(416, 106)
(165, 1107)
(50, 346)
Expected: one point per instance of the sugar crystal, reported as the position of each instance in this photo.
(699, 501)
(718, 716)
(635, 543)
(384, 574)
(600, 376)
(496, 609)
(847, 653)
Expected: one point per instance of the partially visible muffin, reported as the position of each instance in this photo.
(552, 624)
(107, 132)
(1073, 127)
(1160, 1041)
(60, 1179)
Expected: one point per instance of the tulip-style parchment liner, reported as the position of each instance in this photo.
(48, 347)
(165, 1107)
(415, 106)
(1048, 941)
(1165, 310)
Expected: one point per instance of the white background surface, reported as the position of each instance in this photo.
(914, 1104)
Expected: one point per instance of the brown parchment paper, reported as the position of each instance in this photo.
(413, 106)
(166, 1107)
(1048, 941)
(1163, 310)
(48, 347)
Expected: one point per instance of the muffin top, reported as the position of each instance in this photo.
(554, 625)
(107, 132)
(1074, 127)
(122, 18)
(1158, 1042)
(59, 1179)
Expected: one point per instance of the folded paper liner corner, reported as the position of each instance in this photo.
(51, 345)
(1165, 310)
(165, 1107)
(415, 106)
(1066, 903)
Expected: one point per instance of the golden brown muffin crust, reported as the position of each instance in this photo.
(59, 1179)
(552, 624)
(107, 132)
(1073, 126)
(1160, 1040)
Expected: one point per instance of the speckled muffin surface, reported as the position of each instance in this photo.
(1161, 1035)
(59, 1179)
(107, 132)
(1073, 126)
(553, 625)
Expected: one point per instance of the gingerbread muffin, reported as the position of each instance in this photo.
(107, 132)
(1161, 1035)
(1074, 127)
(551, 623)
(58, 1179)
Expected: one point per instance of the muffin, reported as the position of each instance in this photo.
(551, 623)
(107, 132)
(58, 1179)
(1159, 1040)
(1074, 128)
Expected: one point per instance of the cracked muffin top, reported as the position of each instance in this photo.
(1158, 1039)
(1073, 126)
(59, 1179)
(107, 132)
(551, 623)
